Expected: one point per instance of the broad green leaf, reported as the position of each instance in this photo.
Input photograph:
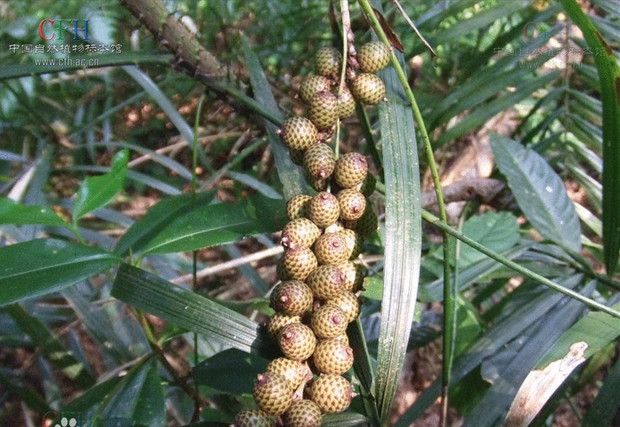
(539, 191)
(189, 310)
(42, 266)
(231, 371)
(103, 60)
(605, 406)
(498, 231)
(12, 212)
(403, 242)
(97, 191)
(137, 399)
(50, 346)
(488, 344)
(217, 224)
(373, 288)
(290, 175)
(609, 78)
(92, 397)
(468, 325)
(595, 329)
(156, 219)
(511, 371)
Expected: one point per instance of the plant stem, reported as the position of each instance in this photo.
(516, 267)
(195, 145)
(449, 301)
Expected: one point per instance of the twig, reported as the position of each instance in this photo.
(233, 263)
(486, 190)
(412, 25)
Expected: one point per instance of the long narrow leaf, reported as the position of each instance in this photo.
(609, 77)
(290, 175)
(97, 191)
(403, 238)
(189, 310)
(41, 266)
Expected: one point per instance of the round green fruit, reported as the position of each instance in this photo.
(368, 89)
(373, 56)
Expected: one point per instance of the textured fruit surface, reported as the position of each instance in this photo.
(291, 370)
(297, 206)
(319, 161)
(354, 242)
(328, 321)
(346, 103)
(299, 232)
(281, 271)
(296, 341)
(278, 321)
(348, 303)
(333, 356)
(303, 413)
(323, 110)
(352, 203)
(354, 275)
(293, 298)
(367, 224)
(324, 209)
(326, 282)
(319, 184)
(327, 61)
(332, 393)
(299, 133)
(254, 418)
(299, 263)
(311, 85)
(368, 89)
(351, 169)
(373, 56)
(272, 393)
(331, 249)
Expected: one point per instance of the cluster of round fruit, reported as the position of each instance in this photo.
(316, 297)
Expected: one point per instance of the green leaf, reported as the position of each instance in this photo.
(539, 191)
(42, 266)
(217, 224)
(403, 242)
(510, 371)
(488, 344)
(50, 346)
(97, 191)
(156, 219)
(609, 78)
(373, 288)
(189, 310)
(498, 231)
(92, 397)
(12, 212)
(231, 371)
(290, 175)
(346, 419)
(595, 329)
(137, 399)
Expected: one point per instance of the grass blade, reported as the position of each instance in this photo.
(609, 77)
(403, 238)
(290, 175)
(189, 310)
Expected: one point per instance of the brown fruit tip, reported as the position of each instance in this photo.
(336, 319)
(278, 131)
